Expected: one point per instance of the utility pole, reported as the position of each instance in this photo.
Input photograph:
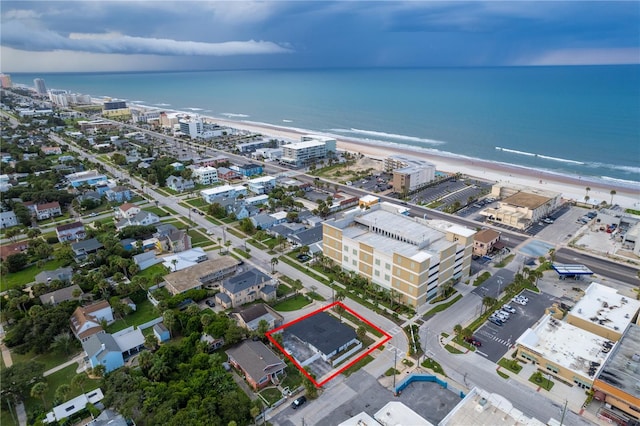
(395, 355)
(564, 410)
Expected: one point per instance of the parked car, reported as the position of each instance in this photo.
(547, 220)
(521, 297)
(503, 316)
(495, 321)
(298, 402)
(518, 301)
(509, 308)
(210, 303)
(473, 341)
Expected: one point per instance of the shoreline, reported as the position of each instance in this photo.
(572, 188)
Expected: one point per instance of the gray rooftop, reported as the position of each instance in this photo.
(622, 369)
(245, 280)
(325, 332)
(255, 358)
(92, 345)
(87, 245)
(60, 295)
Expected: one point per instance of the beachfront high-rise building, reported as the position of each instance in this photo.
(410, 256)
(191, 126)
(5, 81)
(308, 150)
(409, 173)
(40, 87)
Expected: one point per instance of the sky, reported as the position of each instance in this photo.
(67, 36)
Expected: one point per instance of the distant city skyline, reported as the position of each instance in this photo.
(38, 36)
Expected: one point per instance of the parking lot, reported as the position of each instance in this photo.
(496, 340)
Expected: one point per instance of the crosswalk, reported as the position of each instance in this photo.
(505, 342)
(390, 348)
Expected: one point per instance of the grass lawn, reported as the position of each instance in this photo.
(452, 349)
(272, 395)
(170, 210)
(27, 275)
(157, 210)
(158, 268)
(196, 202)
(6, 419)
(293, 379)
(433, 366)
(198, 237)
(316, 296)
(358, 365)
(510, 364)
(292, 304)
(442, 307)
(503, 375)
(145, 312)
(544, 382)
(49, 359)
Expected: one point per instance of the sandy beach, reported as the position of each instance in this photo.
(570, 187)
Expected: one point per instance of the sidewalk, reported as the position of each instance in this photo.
(20, 410)
(78, 359)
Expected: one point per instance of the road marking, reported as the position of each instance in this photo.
(482, 353)
(394, 331)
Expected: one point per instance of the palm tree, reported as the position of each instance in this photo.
(457, 329)
(536, 275)
(612, 192)
(63, 343)
(361, 332)
(274, 262)
(145, 360)
(159, 369)
(466, 333)
(79, 380)
(488, 302)
(587, 189)
(174, 262)
(169, 318)
(586, 198)
(39, 390)
(62, 392)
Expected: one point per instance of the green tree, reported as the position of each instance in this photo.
(361, 332)
(63, 343)
(612, 192)
(18, 379)
(310, 388)
(12, 233)
(274, 262)
(488, 302)
(62, 393)
(33, 233)
(263, 328)
(466, 333)
(79, 380)
(16, 262)
(151, 342)
(457, 329)
(39, 390)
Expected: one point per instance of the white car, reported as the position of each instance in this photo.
(509, 308)
(521, 297)
(503, 316)
(518, 301)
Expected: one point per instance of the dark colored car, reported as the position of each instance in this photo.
(210, 303)
(298, 402)
(473, 341)
(495, 321)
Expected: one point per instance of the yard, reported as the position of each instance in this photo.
(157, 210)
(49, 359)
(145, 313)
(271, 395)
(148, 273)
(27, 275)
(197, 202)
(198, 237)
(293, 304)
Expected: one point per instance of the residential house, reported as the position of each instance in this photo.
(262, 185)
(227, 174)
(51, 150)
(47, 210)
(14, 248)
(251, 316)
(60, 274)
(485, 241)
(178, 241)
(267, 220)
(64, 411)
(93, 196)
(143, 218)
(225, 191)
(8, 219)
(161, 332)
(119, 194)
(178, 184)
(82, 249)
(89, 178)
(242, 211)
(258, 363)
(184, 259)
(306, 237)
(164, 229)
(111, 350)
(257, 200)
(62, 295)
(146, 260)
(85, 321)
(71, 232)
(196, 276)
(246, 287)
(247, 170)
(324, 334)
(127, 210)
(177, 166)
(211, 342)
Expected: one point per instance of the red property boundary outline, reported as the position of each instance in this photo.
(346, 308)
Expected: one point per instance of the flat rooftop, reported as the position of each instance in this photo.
(562, 269)
(566, 345)
(526, 199)
(605, 306)
(622, 369)
(190, 277)
(396, 413)
(480, 407)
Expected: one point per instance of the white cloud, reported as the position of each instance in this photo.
(585, 56)
(17, 35)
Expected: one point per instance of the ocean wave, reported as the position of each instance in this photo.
(514, 151)
(388, 135)
(195, 109)
(234, 115)
(545, 157)
(628, 169)
(162, 105)
(622, 182)
(287, 121)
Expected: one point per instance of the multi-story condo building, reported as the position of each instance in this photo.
(206, 175)
(191, 126)
(310, 149)
(409, 173)
(224, 191)
(41, 88)
(411, 256)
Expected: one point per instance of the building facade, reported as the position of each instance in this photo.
(411, 257)
(206, 175)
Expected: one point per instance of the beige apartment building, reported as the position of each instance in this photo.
(521, 207)
(410, 255)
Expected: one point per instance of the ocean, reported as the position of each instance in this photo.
(575, 120)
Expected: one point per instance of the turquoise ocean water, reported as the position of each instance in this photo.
(581, 120)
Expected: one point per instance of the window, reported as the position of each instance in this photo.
(387, 266)
(346, 258)
(354, 251)
(354, 262)
(386, 277)
(376, 273)
(378, 262)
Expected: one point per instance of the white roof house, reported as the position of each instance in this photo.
(129, 338)
(73, 406)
